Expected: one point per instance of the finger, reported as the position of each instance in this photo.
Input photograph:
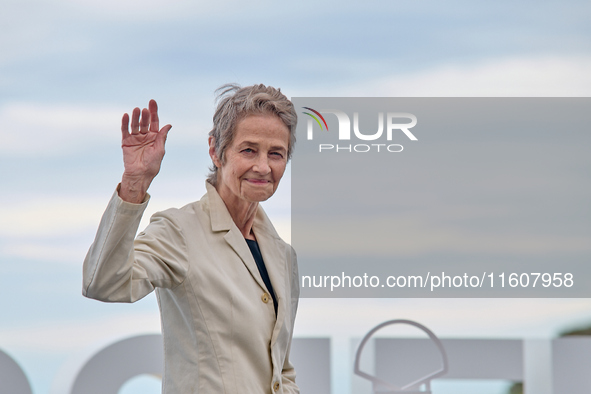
(154, 121)
(125, 125)
(135, 121)
(144, 121)
(162, 134)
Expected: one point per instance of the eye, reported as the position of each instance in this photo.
(248, 150)
(277, 154)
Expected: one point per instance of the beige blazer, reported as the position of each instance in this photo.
(218, 320)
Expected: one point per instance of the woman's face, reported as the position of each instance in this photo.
(255, 161)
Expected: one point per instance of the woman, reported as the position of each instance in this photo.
(227, 285)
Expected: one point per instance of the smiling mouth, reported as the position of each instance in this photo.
(258, 181)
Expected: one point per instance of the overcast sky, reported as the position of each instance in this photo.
(70, 68)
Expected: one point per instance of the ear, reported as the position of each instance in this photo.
(214, 157)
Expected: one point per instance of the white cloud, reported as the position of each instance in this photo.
(527, 76)
(49, 230)
(49, 130)
(73, 335)
(519, 76)
(48, 217)
(52, 130)
(66, 252)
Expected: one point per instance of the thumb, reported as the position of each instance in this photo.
(162, 134)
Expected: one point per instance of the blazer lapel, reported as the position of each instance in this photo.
(222, 221)
(235, 239)
(270, 245)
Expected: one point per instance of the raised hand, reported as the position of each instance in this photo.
(143, 150)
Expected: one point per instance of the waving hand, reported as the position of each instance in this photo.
(143, 150)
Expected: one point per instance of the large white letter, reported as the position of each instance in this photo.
(107, 370)
(401, 126)
(344, 123)
(368, 137)
(12, 378)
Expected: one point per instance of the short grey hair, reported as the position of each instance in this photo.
(235, 103)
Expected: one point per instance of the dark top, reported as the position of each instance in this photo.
(258, 258)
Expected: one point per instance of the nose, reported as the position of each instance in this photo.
(261, 165)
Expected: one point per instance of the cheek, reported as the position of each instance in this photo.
(238, 169)
(278, 172)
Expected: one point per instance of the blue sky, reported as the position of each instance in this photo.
(70, 68)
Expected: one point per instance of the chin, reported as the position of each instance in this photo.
(258, 197)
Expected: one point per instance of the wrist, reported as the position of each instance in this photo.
(134, 189)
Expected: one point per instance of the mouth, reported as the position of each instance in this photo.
(257, 181)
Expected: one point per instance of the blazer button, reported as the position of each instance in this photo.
(265, 297)
(276, 386)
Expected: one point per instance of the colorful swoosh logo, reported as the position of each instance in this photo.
(315, 118)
